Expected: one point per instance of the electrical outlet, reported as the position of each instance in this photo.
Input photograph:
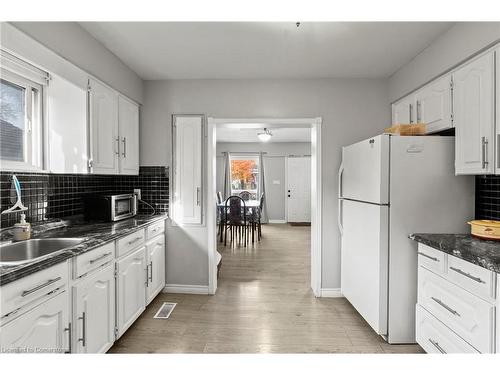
(138, 193)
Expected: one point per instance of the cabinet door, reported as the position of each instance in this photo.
(94, 314)
(155, 250)
(497, 111)
(68, 148)
(188, 132)
(104, 141)
(403, 111)
(128, 121)
(433, 105)
(473, 107)
(130, 289)
(45, 329)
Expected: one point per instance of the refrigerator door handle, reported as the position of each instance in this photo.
(340, 216)
(341, 172)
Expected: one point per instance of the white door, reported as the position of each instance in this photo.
(188, 136)
(497, 111)
(68, 145)
(128, 121)
(433, 105)
(474, 110)
(364, 270)
(94, 315)
(130, 289)
(45, 329)
(299, 189)
(364, 172)
(104, 140)
(155, 252)
(403, 111)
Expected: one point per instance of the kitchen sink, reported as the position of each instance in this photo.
(25, 251)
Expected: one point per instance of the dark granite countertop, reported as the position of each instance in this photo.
(95, 234)
(474, 250)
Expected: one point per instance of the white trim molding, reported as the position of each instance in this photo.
(185, 289)
(331, 293)
(316, 184)
(280, 221)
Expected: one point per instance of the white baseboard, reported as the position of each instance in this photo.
(277, 221)
(185, 289)
(331, 292)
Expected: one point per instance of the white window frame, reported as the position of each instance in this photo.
(34, 124)
(248, 156)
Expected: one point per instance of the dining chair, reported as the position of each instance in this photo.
(235, 219)
(219, 197)
(245, 195)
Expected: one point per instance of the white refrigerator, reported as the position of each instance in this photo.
(390, 187)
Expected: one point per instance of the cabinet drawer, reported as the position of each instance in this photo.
(33, 288)
(475, 279)
(434, 337)
(431, 259)
(468, 316)
(130, 242)
(93, 259)
(155, 229)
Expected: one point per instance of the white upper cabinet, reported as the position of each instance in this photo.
(188, 133)
(403, 111)
(474, 110)
(497, 111)
(104, 139)
(433, 105)
(67, 126)
(128, 121)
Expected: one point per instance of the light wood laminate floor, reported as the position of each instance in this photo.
(263, 304)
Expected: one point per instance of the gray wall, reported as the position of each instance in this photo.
(274, 169)
(352, 109)
(75, 44)
(450, 48)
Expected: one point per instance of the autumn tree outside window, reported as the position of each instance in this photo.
(245, 173)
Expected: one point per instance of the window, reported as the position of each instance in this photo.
(245, 172)
(20, 122)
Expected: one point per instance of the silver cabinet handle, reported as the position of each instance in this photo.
(418, 111)
(124, 153)
(484, 149)
(51, 281)
(441, 303)
(437, 346)
(147, 275)
(151, 271)
(411, 113)
(134, 240)
(198, 196)
(99, 258)
(428, 256)
(83, 339)
(117, 152)
(466, 274)
(70, 338)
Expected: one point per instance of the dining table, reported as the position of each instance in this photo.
(253, 204)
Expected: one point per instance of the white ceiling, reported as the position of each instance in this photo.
(250, 135)
(217, 50)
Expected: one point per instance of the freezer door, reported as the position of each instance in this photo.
(364, 271)
(364, 173)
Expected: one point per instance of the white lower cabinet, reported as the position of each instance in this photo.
(456, 305)
(130, 289)
(94, 311)
(434, 337)
(44, 329)
(155, 253)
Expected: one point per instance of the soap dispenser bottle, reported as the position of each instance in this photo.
(22, 230)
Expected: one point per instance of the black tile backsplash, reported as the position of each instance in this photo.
(488, 197)
(59, 195)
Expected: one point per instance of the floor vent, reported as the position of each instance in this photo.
(165, 310)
